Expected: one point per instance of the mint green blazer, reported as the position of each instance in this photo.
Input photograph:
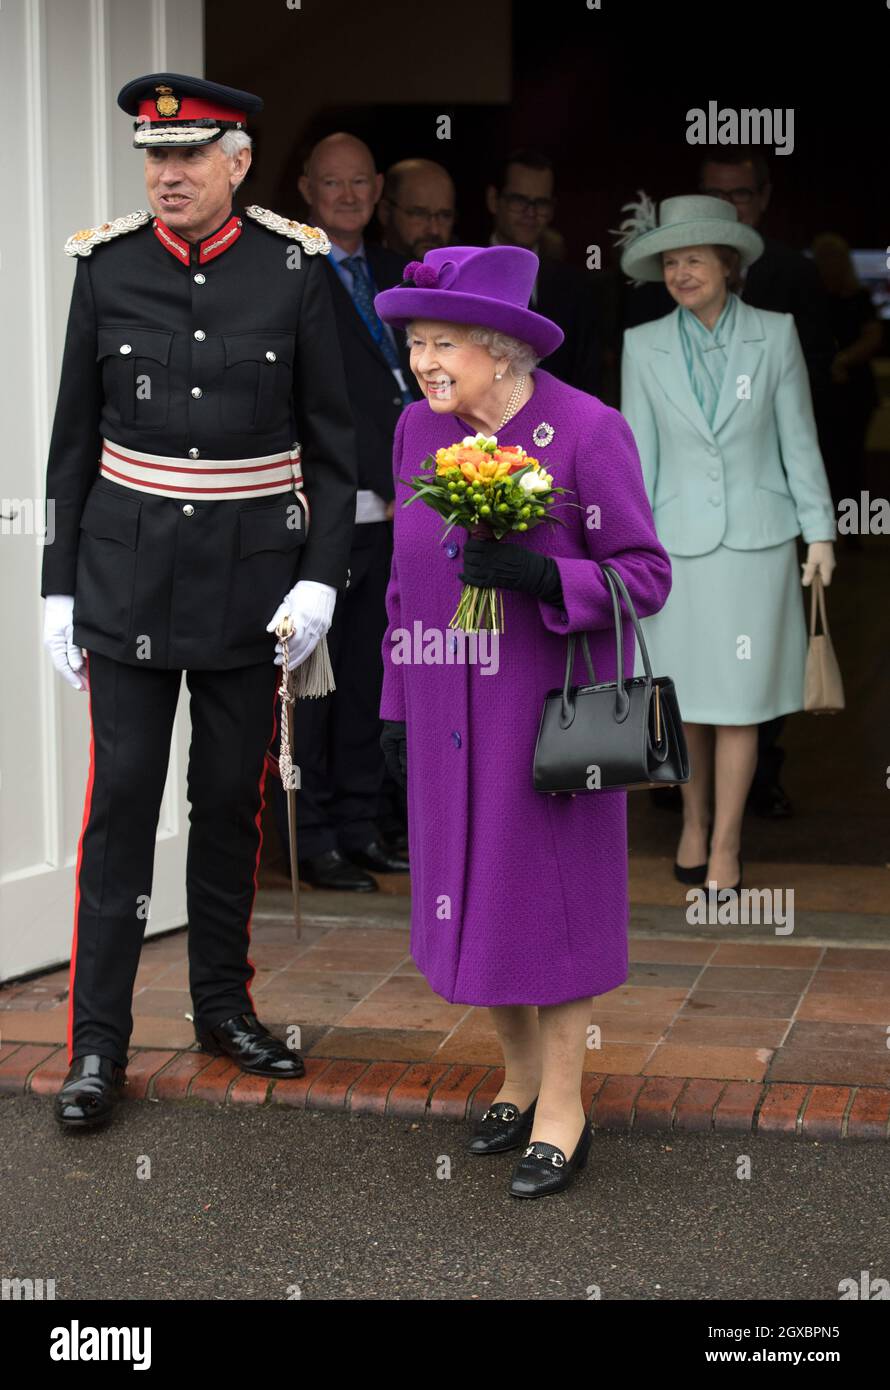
(754, 479)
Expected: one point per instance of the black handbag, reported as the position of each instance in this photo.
(630, 730)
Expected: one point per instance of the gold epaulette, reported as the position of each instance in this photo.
(82, 243)
(312, 239)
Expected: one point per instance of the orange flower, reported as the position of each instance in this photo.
(465, 454)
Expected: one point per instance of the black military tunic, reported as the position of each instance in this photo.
(234, 356)
(180, 359)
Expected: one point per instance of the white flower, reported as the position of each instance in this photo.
(480, 439)
(533, 482)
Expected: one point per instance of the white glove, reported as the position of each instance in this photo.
(820, 556)
(310, 607)
(58, 638)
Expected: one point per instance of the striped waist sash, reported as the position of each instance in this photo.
(211, 479)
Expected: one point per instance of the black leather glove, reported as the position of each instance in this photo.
(500, 565)
(394, 742)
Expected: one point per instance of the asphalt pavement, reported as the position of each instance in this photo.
(193, 1201)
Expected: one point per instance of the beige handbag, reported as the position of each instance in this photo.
(823, 689)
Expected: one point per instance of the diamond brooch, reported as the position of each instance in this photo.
(542, 434)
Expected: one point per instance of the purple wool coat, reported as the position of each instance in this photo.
(517, 897)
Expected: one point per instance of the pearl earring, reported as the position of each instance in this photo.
(498, 375)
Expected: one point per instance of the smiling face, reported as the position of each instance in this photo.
(455, 375)
(191, 189)
(341, 187)
(695, 277)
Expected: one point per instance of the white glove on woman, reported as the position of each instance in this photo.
(58, 638)
(820, 556)
(311, 609)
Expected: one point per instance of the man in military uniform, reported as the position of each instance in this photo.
(202, 467)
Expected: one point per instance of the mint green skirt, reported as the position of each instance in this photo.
(732, 635)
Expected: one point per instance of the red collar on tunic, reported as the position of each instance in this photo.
(212, 246)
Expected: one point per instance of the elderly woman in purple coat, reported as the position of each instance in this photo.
(519, 899)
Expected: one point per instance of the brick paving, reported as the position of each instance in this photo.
(708, 1033)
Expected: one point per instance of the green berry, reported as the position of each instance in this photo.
(485, 511)
(523, 526)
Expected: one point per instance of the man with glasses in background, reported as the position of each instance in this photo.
(521, 201)
(416, 211)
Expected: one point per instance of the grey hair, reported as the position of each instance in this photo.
(520, 355)
(231, 142)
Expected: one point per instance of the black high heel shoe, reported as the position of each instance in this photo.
(502, 1128)
(544, 1168)
(696, 873)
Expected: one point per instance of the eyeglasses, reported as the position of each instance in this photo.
(732, 195)
(445, 215)
(519, 203)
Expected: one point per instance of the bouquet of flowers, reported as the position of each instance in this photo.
(489, 490)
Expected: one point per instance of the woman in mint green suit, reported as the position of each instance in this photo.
(718, 399)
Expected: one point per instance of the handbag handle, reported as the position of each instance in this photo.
(818, 596)
(622, 699)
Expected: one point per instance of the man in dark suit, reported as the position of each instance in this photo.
(521, 201)
(337, 738)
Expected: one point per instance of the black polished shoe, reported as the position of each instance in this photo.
(501, 1128)
(252, 1047)
(378, 859)
(544, 1169)
(89, 1092)
(331, 870)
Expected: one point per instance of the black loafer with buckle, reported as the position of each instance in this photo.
(501, 1128)
(252, 1047)
(544, 1168)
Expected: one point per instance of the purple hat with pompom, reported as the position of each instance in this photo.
(482, 286)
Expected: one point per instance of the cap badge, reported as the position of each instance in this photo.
(166, 104)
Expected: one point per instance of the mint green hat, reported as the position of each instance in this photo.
(692, 219)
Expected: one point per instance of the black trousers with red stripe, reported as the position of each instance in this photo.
(132, 708)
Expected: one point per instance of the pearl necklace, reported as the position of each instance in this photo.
(513, 402)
